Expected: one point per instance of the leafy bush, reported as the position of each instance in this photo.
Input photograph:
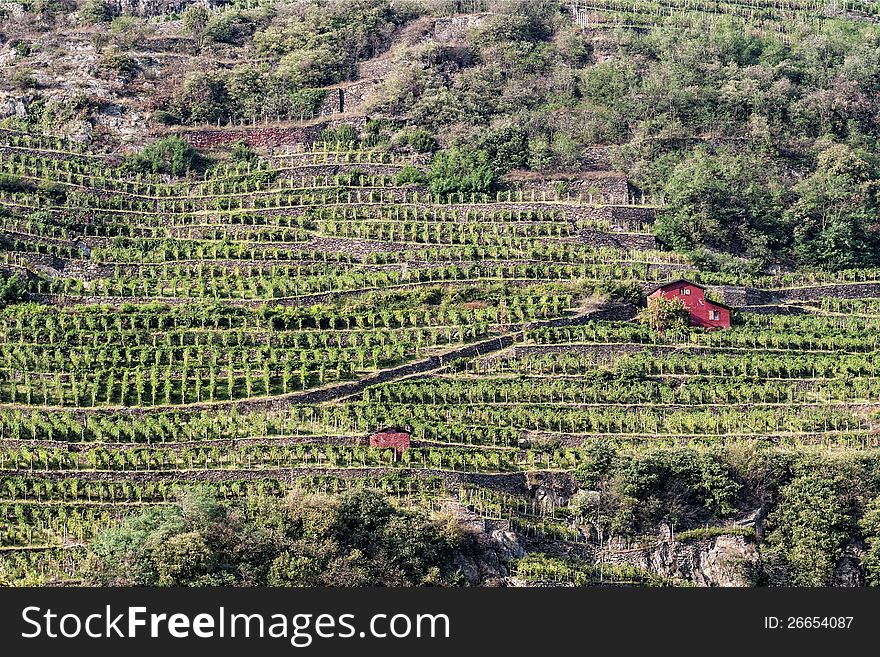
(97, 11)
(461, 170)
(166, 118)
(665, 314)
(409, 175)
(25, 78)
(870, 527)
(626, 291)
(344, 134)
(810, 525)
(242, 153)
(722, 201)
(231, 27)
(170, 155)
(419, 139)
(12, 289)
(114, 61)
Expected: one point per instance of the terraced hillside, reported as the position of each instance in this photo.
(245, 308)
(251, 328)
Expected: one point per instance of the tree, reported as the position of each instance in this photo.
(664, 314)
(195, 21)
(97, 11)
(809, 527)
(834, 218)
(870, 526)
(722, 201)
(356, 539)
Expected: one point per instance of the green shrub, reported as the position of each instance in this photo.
(12, 289)
(114, 61)
(25, 78)
(461, 171)
(168, 155)
(419, 139)
(14, 184)
(97, 11)
(242, 153)
(231, 27)
(870, 527)
(409, 175)
(22, 48)
(166, 118)
(810, 525)
(344, 134)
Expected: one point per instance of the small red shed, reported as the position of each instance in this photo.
(704, 312)
(397, 439)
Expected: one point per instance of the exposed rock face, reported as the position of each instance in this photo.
(718, 561)
(11, 105)
(486, 563)
(849, 572)
(455, 28)
(507, 544)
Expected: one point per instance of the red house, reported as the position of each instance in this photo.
(705, 313)
(397, 439)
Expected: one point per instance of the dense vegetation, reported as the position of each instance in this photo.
(357, 539)
(815, 502)
(761, 148)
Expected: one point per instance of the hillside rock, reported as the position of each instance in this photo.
(485, 563)
(849, 571)
(718, 561)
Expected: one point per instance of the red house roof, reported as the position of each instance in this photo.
(678, 282)
(703, 312)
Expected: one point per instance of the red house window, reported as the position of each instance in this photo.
(714, 315)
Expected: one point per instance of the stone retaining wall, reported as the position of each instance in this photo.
(617, 312)
(265, 137)
(613, 185)
(839, 290)
(742, 296)
(599, 239)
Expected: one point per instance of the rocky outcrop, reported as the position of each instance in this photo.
(717, 561)
(849, 571)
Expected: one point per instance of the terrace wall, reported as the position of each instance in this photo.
(610, 184)
(264, 137)
(600, 238)
(839, 290)
(618, 312)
